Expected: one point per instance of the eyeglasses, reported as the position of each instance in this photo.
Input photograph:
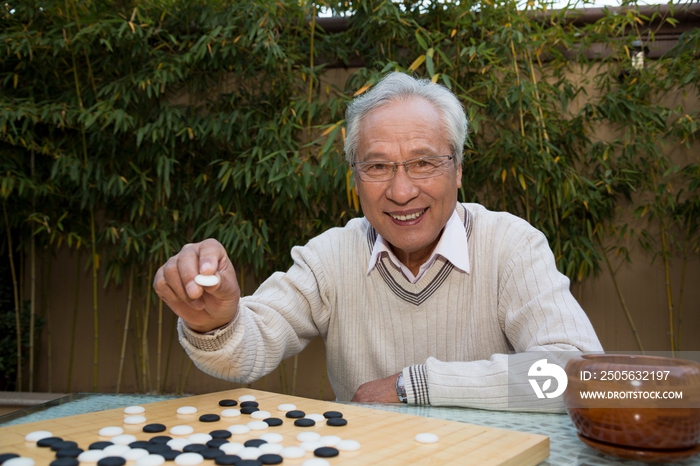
(417, 169)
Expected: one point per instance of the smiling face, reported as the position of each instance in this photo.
(409, 214)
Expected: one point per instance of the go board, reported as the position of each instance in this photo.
(385, 438)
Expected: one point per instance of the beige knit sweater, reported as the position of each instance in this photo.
(450, 332)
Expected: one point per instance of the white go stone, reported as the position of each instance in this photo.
(230, 412)
(293, 452)
(308, 436)
(249, 453)
(134, 410)
(231, 448)
(150, 460)
(21, 461)
(315, 462)
(178, 443)
(272, 437)
(206, 280)
(316, 417)
(189, 459)
(243, 398)
(258, 425)
(260, 414)
(37, 435)
(123, 439)
(271, 448)
(110, 431)
(330, 440)
(238, 429)
(186, 410)
(135, 453)
(116, 450)
(311, 445)
(348, 445)
(199, 438)
(426, 437)
(182, 430)
(91, 456)
(134, 420)
(285, 407)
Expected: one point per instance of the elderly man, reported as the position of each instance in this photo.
(420, 301)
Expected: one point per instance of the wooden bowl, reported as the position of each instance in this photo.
(639, 416)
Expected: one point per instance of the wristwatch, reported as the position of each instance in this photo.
(401, 389)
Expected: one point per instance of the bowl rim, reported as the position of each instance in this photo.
(637, 360)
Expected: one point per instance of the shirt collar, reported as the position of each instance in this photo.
(452, 246)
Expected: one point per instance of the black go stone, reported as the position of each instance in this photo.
(55, 446)
(273, 421)
(194, 448)
(326, 452)
(256, 442)
(65, 462)
(211, 453)
(7, 456)
(48, 441)
(70, 452)
(228, 403)
(337, 422)
(332, 414)
(99, 445)
(157, 448)
(249, 463)
(228, 460)
(153, 428)
(170, 454)
(295, 414)
(250, 404)
(221, 433)
(140, 444)
(270, 458)
(160, 439)
(216, 442)
(112, 461)
(249, 410)
(304, 422)
(209, 417)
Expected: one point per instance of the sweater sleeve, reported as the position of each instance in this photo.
(286, 312)
(536, 312)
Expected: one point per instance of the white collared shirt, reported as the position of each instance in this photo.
(452, 246)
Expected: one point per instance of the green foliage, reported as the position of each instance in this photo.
(174, 121)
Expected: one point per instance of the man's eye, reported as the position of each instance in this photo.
(377, 167)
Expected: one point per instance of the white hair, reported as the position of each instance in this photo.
(399, 86)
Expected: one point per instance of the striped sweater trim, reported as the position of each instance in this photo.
(417, 384)
(418, 297)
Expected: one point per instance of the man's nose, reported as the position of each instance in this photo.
(402, 188)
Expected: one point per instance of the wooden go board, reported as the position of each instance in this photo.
(386, 438)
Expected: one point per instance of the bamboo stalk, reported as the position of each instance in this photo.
(125, 332)
(74, 323)
(669, 294)
(32, 295)
(173, 332)
(95, 313)
(309, 98)
(620, 295)
(160, 330)
(145, 361)
(15, 292)
(681, 292)
(46, 311)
